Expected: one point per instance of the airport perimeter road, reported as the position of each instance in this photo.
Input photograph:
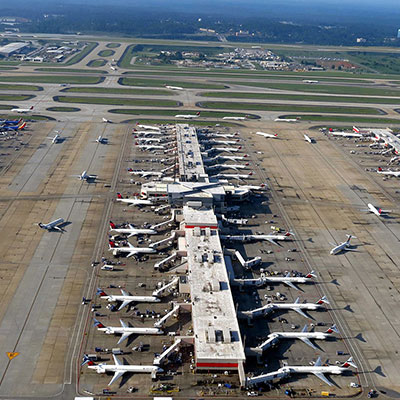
(321, 192)
(43, 273)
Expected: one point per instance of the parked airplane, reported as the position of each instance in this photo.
(263, 186)
(174, 87)
(53, 225)
(272, 237)
(309, 81)
(287, 280)
(188, 116)
(234, 176)
(130, 230)
(296, 306)
(130, 250)
(217, 141)
(9, 128)
(22, 110)
(267, 135)
(148, 140)
(304, 336)
(345, 246)
(119, 369)
(125, 298)
(148, 127)
(102, 140)
(235, 118)
(144, 174)
(150, 147)
(320, 370)
(106, 120)
(317, 369)
(377, 211)
(308, 139)
(56, 139)
(125, 330)
(227, 149)
(389, 172)
(236, 167)
(10, 121)
(134, 201)
(347, 134)
(85, 177)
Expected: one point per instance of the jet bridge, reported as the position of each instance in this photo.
(172, 257)
(158, 360)
(161, 290)
(162, 224)
(270, 377)
(249, 263)
(167, 316)
(164, 241)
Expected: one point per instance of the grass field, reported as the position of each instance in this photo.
(302, 97)
(339, 118)
(82, 54)
(103, 90)
(172, 113)
(63, 109)
(174, 121)
(97, 63)
(113, 45)
(6, 107)
(162, 82)
(16, 97)
(334, 89)
(28, 118)
(28, 88)
(52, 79)
(5, 68)
(290, 107)
(117, 101)
(105, 53)
(73, 70)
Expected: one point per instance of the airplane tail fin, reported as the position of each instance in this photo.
(276, 135)
(100, 292)
(31, 107)
(240, 147)
(349, 237)
(22, 126)
(355, 129)
(111, 243)
(379, 169)
(311, 275)
(119, 196)
(287, 234)
(246, 155)
(98, 324)
(380, 211)
(198, 113)
(323, 300)
(349, 363)
(332, 329)
(86, 360)
(112, 225)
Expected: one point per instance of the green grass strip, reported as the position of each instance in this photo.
(339, 118)
(103, 90)
(117, 101)
(52, 79)
(161, 82)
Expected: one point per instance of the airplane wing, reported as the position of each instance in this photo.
(123, 337)
(116, 376)
(124, 292)
(123, 324)
(132, 253)
(272, 241)
(291, 284)
(124, 304)
(301, 312)
(323, 378)
(309, 343)
(92, 176)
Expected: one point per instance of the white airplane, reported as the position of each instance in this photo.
(319, 370)
(347, 134)
(377, 211)
(174, 87)
(223, 135)
(52, 225)
(272, 237)
(235, 118)
(102, 140)
(287, 280)
(304, 336)
(148, 127)
(188, 116)
(263, 186)
(227, 158)
(286, 120)
(234, 176)
(235, 221)
(22, 110)
(309, 81)
(130, 250)
(125, 330)
(389, 172)
(105, 120)
(119, 369)
(236, 167)
(150, 147)
(125, 298)
(296, 306)
(227, 142)
(308, 139)
(134, 201)
(85, 177)
(144, 174)
(148, 133)
(148, 140)
(56, 139)
(267, 135)
(131, 230)
(227, 149)
(345, 246)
